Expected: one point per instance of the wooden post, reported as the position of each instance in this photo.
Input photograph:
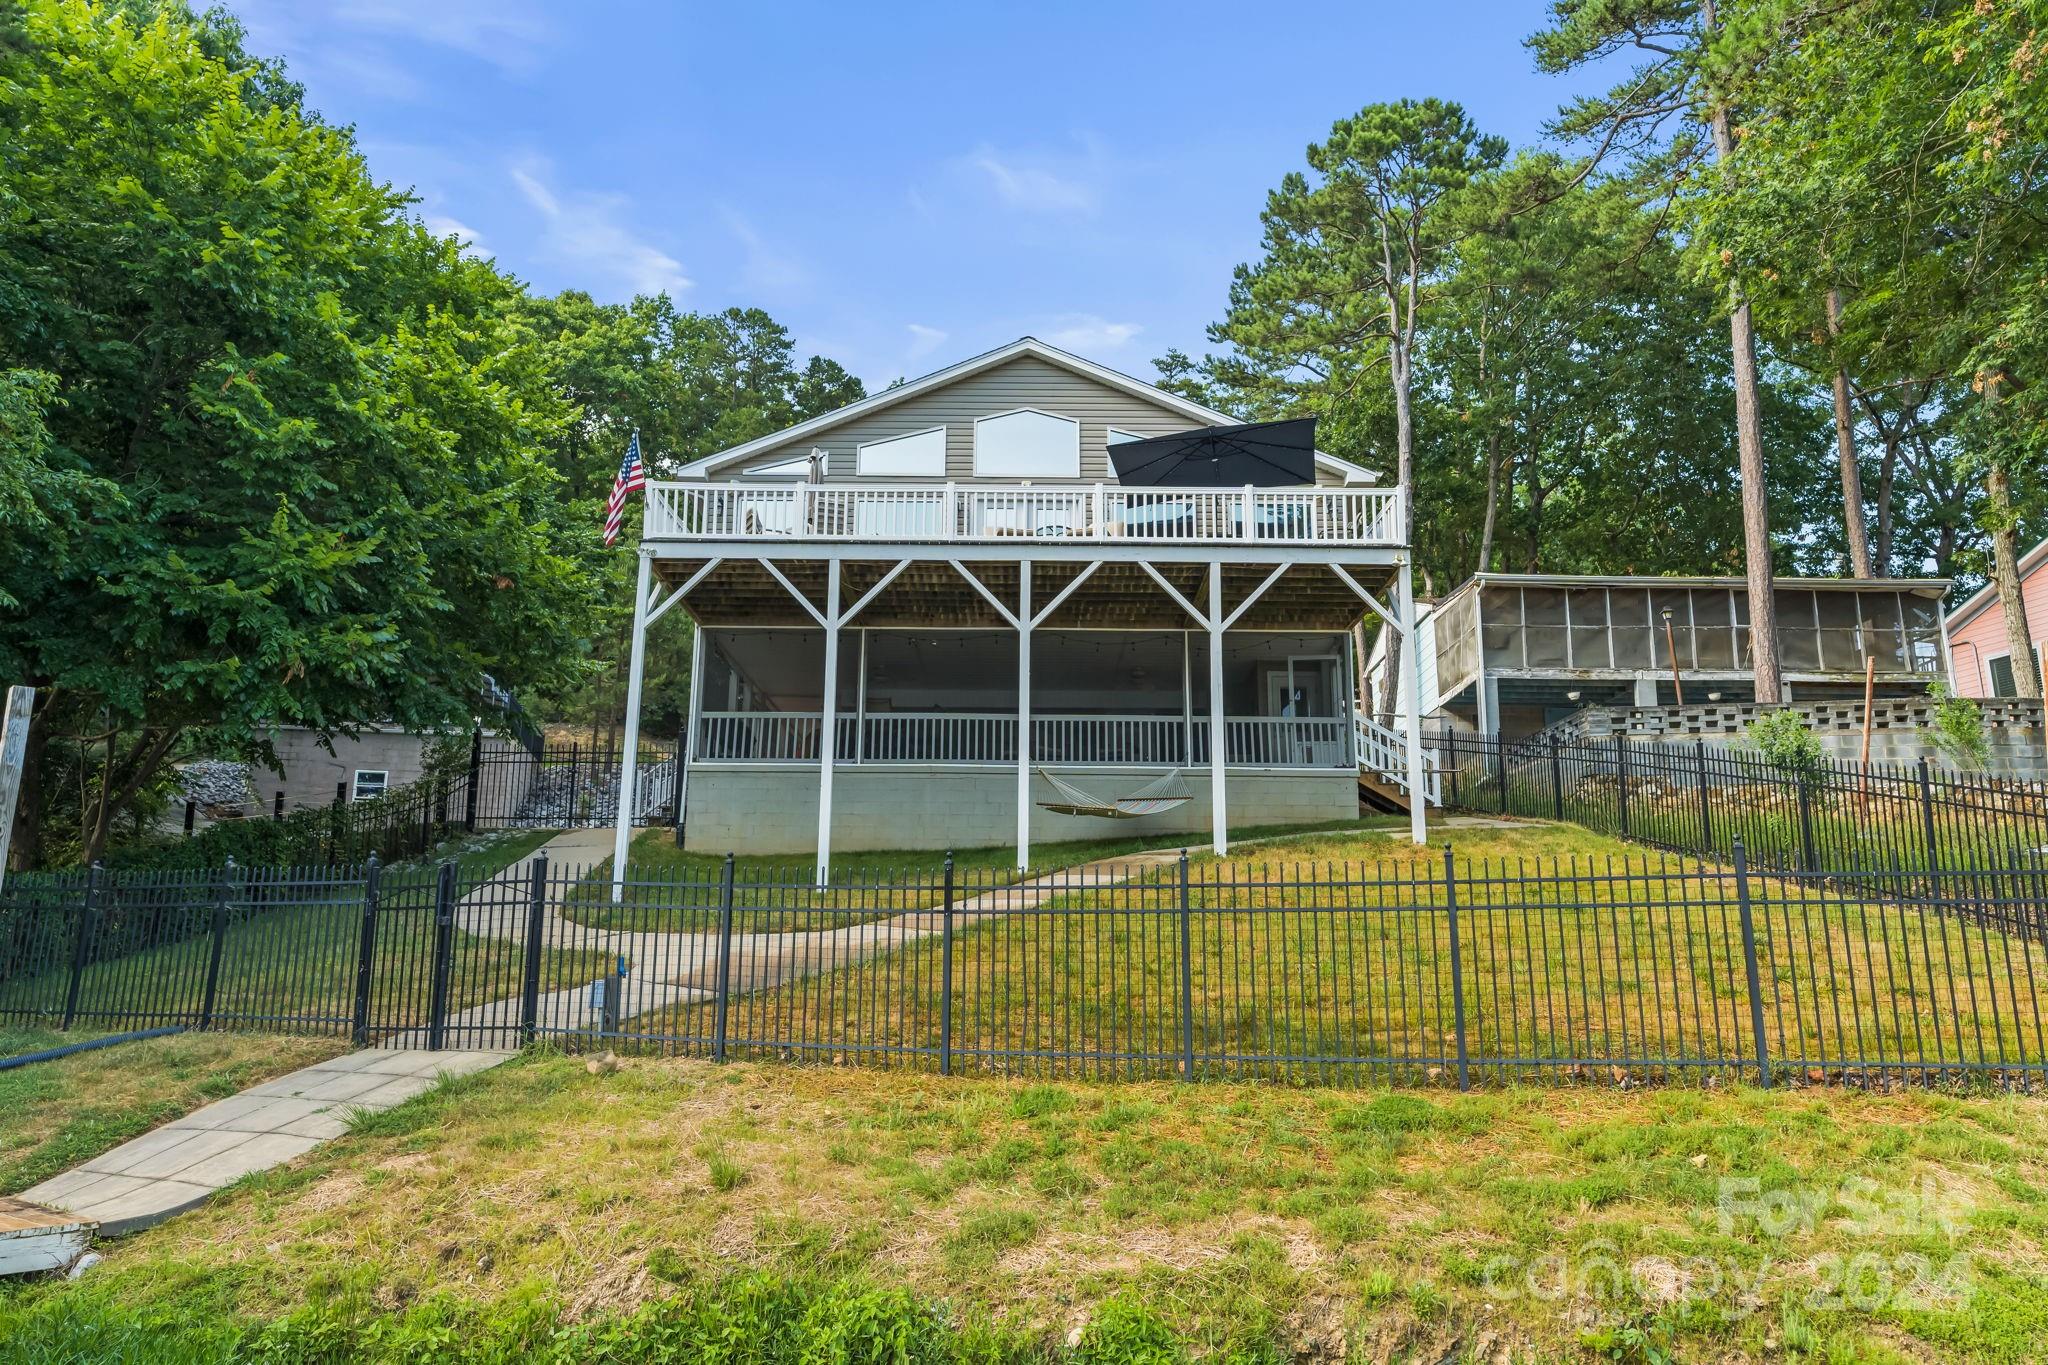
(1869, 692)
(1671, 653)
(13, 758)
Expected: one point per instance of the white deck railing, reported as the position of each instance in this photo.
(999, 513)
(973, 737)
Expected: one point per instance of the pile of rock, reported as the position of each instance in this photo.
(588, 794)
(221, 788)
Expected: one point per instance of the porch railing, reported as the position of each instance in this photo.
(1004, 512)
(991, 737)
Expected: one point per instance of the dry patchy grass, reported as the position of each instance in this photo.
(1403, 1218)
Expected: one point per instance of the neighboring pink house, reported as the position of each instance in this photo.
(1978, 651)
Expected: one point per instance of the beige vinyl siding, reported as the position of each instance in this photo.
(1025, 382)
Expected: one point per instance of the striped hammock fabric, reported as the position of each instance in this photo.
(1165, 794)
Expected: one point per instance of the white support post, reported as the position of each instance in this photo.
(1411, 664)
(860, 704)
(686, 753)
(1219, 739)
(1024, 624)
(828, 721)
(629, 761)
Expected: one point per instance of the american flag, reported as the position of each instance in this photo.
(631, 478)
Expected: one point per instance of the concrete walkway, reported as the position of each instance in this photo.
(172, 1168)
(667, 968)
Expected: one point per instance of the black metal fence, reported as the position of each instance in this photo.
(491, 783)
(1698, 798)
(1433, 970)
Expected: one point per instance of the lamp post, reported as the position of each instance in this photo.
(1671, 650)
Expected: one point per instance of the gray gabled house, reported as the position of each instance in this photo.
(948, 581)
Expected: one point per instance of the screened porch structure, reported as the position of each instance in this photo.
(1512, 653)
(1024, 629)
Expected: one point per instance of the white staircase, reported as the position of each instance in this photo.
(1383, 760)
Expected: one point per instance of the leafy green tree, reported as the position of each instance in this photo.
(691, 384)
(1894, 155)
(311, 434)
(1652, 121)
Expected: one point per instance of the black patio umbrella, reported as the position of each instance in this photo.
(1263, 454)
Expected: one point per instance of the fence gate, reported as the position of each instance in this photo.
(566, 786)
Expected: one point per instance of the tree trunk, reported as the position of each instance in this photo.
(1492, 502)
(121, 780)
(1845, 449)
(2005, 572)
(1749, 439)
(1404, 447)
(1887, 481)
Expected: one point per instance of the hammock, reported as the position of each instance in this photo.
(1164, 795)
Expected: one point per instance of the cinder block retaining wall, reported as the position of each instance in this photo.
(1898, 729)
(772, 808)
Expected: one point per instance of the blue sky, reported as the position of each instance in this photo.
(901, 185)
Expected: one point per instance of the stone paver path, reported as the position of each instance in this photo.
(172, 1168)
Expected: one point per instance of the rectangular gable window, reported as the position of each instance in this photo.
(1027, 444)
(370, 782)
(798, 468)
(915, 455)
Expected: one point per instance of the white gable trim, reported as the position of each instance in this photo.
(1032, 346)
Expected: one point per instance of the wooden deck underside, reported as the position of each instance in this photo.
(1117, 596)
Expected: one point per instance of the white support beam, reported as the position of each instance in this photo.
(1219, 740)
(1411, 664)
(1370, 600)
(828, 721)
(988, 596)
(1024, 624)
(629, 761)
(661, 608)
(872, 593)
(1215, 598)
(1257, 593)
(1076, 581)
(823, 618)
(687, 751)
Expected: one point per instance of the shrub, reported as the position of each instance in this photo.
(1785, 742)
(1958, 731)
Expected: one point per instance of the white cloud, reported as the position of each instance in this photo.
(765, 268)
(1085, 332)
(1032, 185)
(441, 225)
(924, 340)
(583, 230)
(509, 34)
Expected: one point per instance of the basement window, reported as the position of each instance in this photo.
(371, 782)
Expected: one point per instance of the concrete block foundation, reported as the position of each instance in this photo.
(773, 808)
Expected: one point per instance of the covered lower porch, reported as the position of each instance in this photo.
(873, 675)
(1097, 698)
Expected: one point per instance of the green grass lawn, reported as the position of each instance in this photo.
(58, 1113)
(1328, 959)
(544, 1212)
(680, 890)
